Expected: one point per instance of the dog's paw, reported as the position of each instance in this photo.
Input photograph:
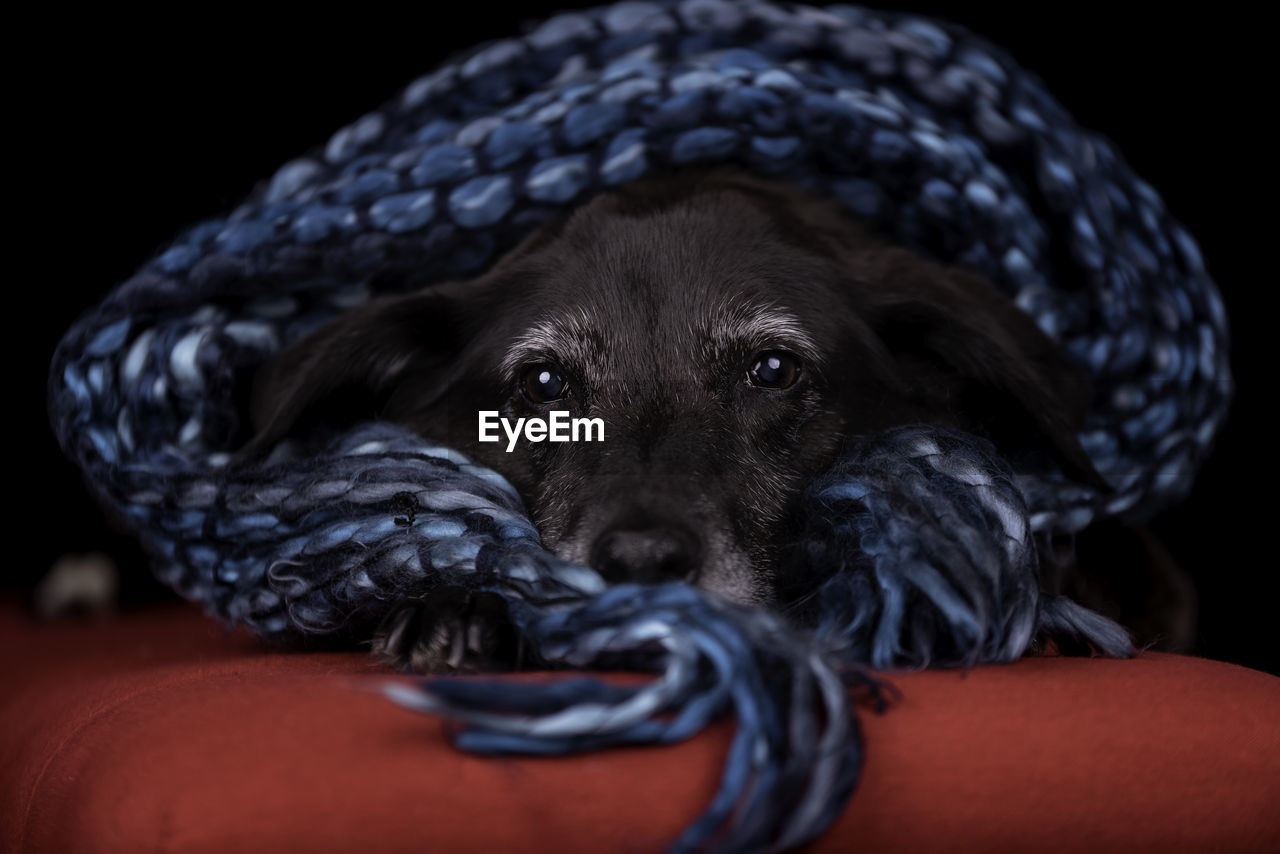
(450, 630)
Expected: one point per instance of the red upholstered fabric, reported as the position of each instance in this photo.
(162, 732)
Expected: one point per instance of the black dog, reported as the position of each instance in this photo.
(730, 333)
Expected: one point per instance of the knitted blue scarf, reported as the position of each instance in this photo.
(923, 543)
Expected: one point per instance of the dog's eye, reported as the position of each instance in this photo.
(543, 384)
(774, 369)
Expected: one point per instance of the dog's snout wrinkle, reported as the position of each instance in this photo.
(648, 555)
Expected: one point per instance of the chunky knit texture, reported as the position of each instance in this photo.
(922, 544)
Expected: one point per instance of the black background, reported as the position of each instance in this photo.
(131, 129)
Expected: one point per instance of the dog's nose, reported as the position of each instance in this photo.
(647, 555)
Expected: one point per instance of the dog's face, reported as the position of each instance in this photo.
(729, 333)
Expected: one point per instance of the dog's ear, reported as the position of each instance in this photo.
(393, 356)
(972, 349)
(353, 366)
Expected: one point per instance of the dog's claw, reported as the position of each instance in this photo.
(450, 630)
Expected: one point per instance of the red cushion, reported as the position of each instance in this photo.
(161, 731)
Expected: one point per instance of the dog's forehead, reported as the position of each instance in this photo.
(649, 288)
(704, 234)
(701, 261)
